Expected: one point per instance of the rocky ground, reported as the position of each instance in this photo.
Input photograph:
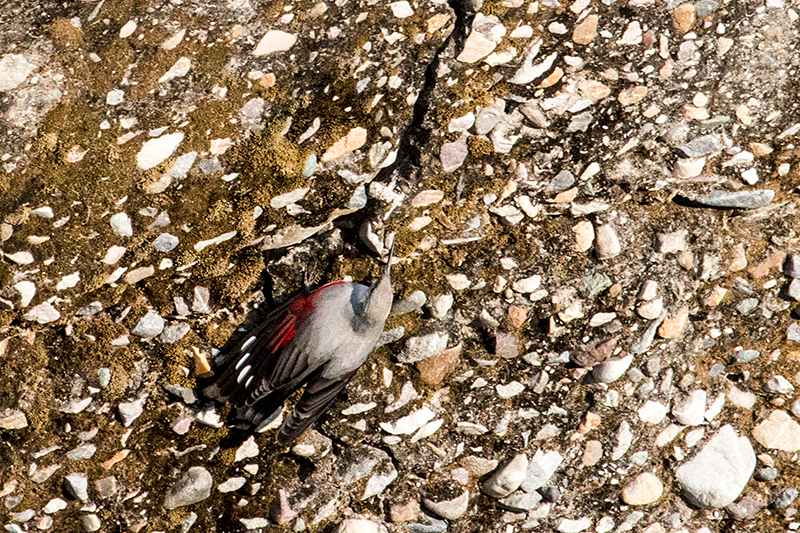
(598, 261)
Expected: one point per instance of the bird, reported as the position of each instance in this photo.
(318, 339)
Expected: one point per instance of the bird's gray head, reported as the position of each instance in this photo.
(380, 297)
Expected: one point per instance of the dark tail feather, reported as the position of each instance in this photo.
(317, 398)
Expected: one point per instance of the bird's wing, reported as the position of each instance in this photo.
(318, 396)
(247, 371)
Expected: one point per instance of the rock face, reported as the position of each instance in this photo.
(595, 212)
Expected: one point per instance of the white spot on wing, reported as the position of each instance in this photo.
(249, 380)
(241, 361)
(248, 342)
(243, 373)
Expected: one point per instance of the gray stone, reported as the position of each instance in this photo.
(14, 69)
(409, 304)
(419, 348)
(13, 419)
(521, 501)
(766, 474)
(701, 146)
(563, 181)
(184, 393)
(44, 313)
(440, 305)
(793, 332)
(91, 523)
(130, 411)
(453, 154)
(672, 242)
(77, 486)
(449, 509)
(540, 469)
(747, 305)
(194, 486)
(106, 487)
(738, 199)
(786, 498)
(90, 309)
(149, 326)
(704, 7)
(202, 299)
(121, 224)
(174, 332)
(791, 267)
(82, 452)
(508, 478)
(690, 411)
(594, 284)
(360, 525)
(744, 509)
(778, 385)
(794, 289)
(607, 242)
(104, 376)
(719, 472)
(166, 242)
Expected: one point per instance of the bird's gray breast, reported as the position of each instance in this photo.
(335, 334)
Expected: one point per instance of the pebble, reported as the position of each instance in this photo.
(433, 369)
(44, 313)
(766, 474)
(672, 328)
(540, 469)
(510, 390)
(778, 432)
(138, 274)
(82, 452)
(745, 509)
(486, 34)
(427, 197)
(738, 199)
(409, 424)
(440, 305)
(652, 412)
(174, 332)
(149, 326)
(355, 139)
(786, 498)
(690, 411)
(274, 41)
(778, 385)
(409, 304)
(232, 484)
(688, 167)
(54, 505)
(254, 523)
(449, 509)
(121, 224)
(193, 486)
(248, 449)
(14, 69)
(716, 476)
(527, 285)
(508, 478)
(791, 267)
(607, 245)
(130, 411)
(453, 154)
(77, 486)
(584, 236)
(360, 525)
(156, 150)
(280, 510)
(611, 370)
(91, 522)
(166, 242)
(585, 31)
(567, 525)
(643, 490)
(13, 419)
(423, 347)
